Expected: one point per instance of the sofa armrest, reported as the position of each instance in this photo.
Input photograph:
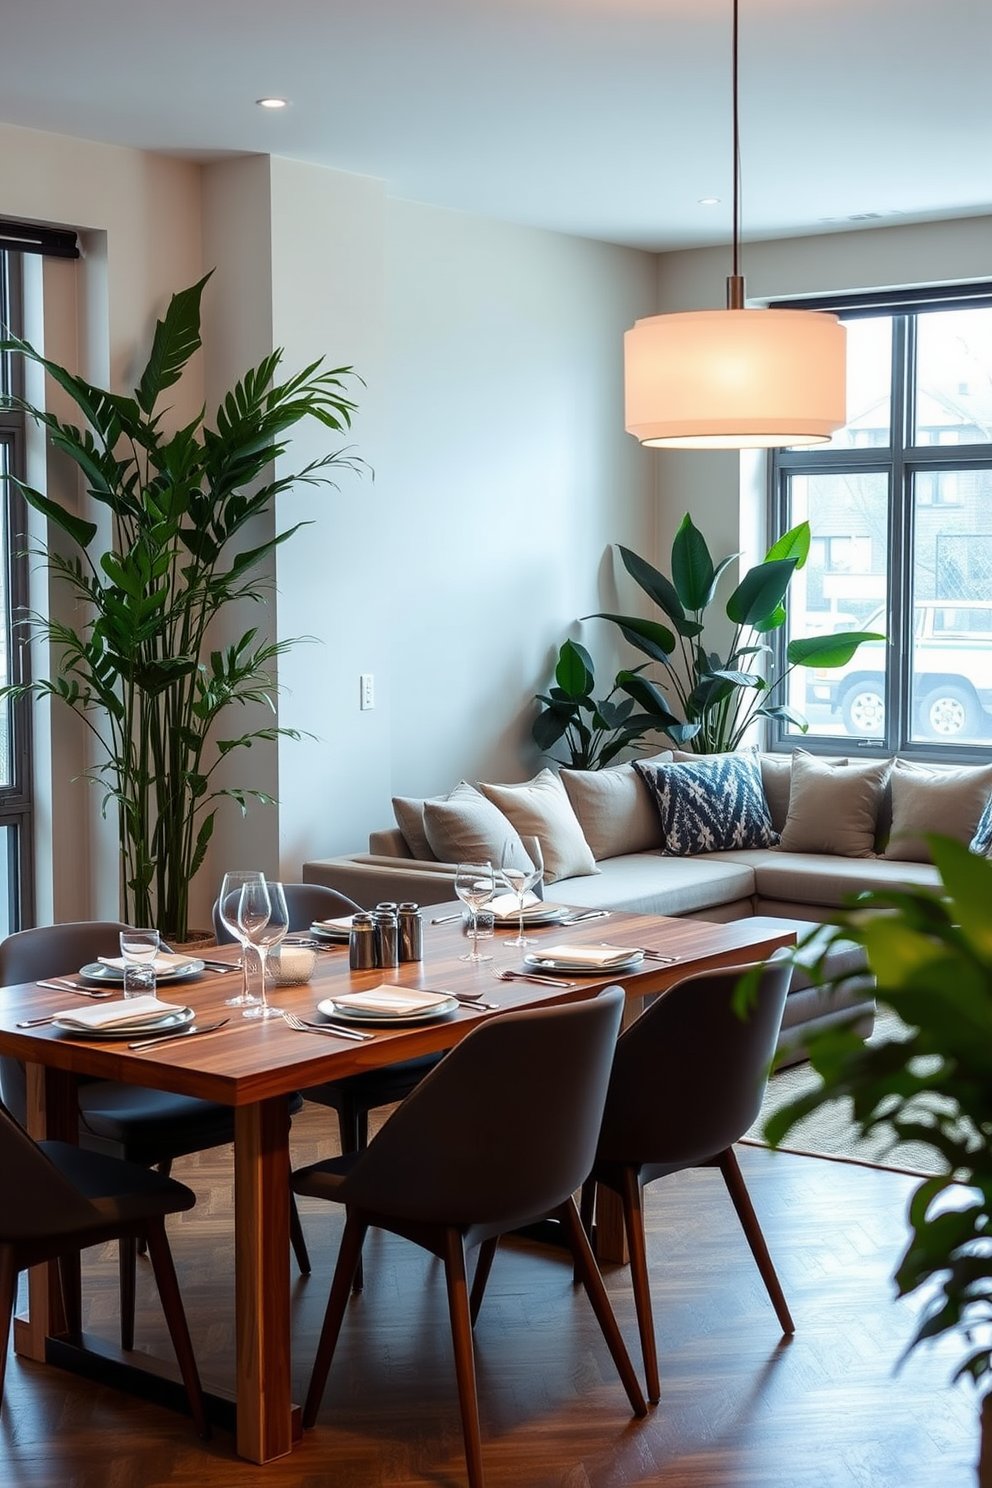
(368, 878)
(389, 843)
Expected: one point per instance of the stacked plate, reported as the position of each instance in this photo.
(389, 1004)
(536, 912)
(123, 1019)
(592, 960)
(169, 967)
(337, 930)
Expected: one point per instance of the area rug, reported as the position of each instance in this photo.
(829, 1132)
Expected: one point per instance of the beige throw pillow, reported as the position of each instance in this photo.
(409, 814)
(614, 808)
(540, 808)
(466, 828)
(950, 802)
(833, 808)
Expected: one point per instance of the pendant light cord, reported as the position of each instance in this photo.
(735, 284)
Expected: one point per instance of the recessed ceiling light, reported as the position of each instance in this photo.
(272, 103)
(709, 201)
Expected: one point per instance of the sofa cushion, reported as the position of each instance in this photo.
(717, 802)
(951, 802)
(467, 828)
(614, 808)
(833, 808)
(650, 883)
(409, 813)
(824, 879)
(540, 808)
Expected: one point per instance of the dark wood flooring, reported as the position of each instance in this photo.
(741, 1407)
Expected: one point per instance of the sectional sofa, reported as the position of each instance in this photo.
(793, 837)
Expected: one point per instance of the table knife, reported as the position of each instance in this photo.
(171, 1038)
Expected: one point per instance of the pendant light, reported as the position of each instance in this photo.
(735, 378)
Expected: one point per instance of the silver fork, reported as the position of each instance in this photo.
(300, 1025)
(529, 976)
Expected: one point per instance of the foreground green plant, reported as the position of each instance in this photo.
(593, 731)
(138, 671)
(931, 953)
(720, 697)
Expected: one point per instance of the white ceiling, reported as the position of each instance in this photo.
(607, 118)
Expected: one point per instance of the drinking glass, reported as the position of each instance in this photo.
(475, 885)
(263, 920)
(520, 879)
(227, 908)
(139, 949)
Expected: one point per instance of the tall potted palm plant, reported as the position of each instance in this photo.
(149, 583)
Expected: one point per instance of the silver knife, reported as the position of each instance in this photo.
(75, 987)
(171, 1038)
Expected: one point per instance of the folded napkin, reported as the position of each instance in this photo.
(165, 961)
(343, 923)
(390, 999)
(581, 955)
(131, 1012)
(505, 906)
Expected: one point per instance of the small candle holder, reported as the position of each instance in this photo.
(291, 964)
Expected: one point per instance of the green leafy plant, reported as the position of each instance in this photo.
(180, 549)
(931, 952)
(720, 697)
(593, 731)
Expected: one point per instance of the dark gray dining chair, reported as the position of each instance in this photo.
(67, 1200)
(354, 1096)
(458, 1165)
(688, 1080)
(150, 1127)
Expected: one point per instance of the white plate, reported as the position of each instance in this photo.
(332, 929)
(344, 1014)
(96, 971)
(535, 914)
(166, 1024)
(582, 968)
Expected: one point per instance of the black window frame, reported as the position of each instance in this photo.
(900, 461)
(17, 798)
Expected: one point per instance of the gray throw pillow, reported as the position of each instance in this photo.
(614, 808)
(540, 808)
(466, 828)
(834, 808)
(714, 804)
(951, 802)
(409, 814)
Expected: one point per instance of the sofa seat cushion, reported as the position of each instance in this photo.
(652, 883)
(824, 879)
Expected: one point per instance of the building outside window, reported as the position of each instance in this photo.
(900, 506)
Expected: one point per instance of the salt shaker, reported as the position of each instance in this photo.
(361, 942)
(386, 938)
(411, 928)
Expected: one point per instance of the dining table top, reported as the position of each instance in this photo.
(251, 1059)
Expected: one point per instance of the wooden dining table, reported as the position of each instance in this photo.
(253, 1064)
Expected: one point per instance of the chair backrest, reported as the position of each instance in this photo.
(689, 1074)
(305, 903)
(504, 1128)
(48, 950)
(46, 1202)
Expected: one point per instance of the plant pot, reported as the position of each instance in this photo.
(195, 942)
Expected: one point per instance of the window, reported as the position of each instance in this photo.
(15, 753)
(900, 507)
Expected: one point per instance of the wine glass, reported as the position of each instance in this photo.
(227, 908)
(521, 878)
(263, 920)
(475, 885)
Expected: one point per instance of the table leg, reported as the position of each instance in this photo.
(52, 1112)
(262, 1291)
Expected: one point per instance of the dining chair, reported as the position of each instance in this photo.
(150, 1127)
(354, 1096)
(688, 1080)
(458, 1165)
(67, 1200)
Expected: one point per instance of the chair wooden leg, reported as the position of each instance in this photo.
(71, 1287)
(483, 1266)
(297, 1238)
(127, 1265)
(353, 1132)
(737, 1189)
(348, 1258)
(461, 1338)
(175, 1316)
(633, 1219)
(596, 1292)
(587, 1205)
(8, 1292)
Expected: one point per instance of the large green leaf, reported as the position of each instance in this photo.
(649, 636)
(761, 591)
(80, 531)
(693, 573)
(649, 697)
(575, 673)
(829, 650)
(176, 338)
(792, 544)
(655, 585)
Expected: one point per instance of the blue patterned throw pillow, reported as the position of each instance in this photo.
(711, 804)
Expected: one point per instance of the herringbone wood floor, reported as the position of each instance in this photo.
(741, 1408)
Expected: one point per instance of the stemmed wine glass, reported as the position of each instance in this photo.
(520, 879)
(475, 885)
(263, 920)
(227, 908)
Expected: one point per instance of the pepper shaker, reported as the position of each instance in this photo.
(386, 938)
(361, 942)
(411, 930)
